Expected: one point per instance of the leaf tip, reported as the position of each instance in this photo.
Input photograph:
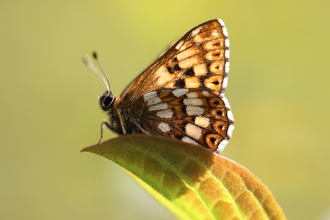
(86, 149)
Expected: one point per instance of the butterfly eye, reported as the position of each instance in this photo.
(106, 101)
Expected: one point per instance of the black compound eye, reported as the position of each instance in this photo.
(106, 101)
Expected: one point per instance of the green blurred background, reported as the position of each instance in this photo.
(278, 90)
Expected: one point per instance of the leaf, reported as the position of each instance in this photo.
(191, 181)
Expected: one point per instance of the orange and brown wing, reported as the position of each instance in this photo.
(198, 60)
(191, 115)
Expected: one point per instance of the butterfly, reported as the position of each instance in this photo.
(180, 95)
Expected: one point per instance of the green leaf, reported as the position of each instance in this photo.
(190, 181)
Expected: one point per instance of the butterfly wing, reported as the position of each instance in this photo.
(192, 115)
(198, 60)
(181, 95)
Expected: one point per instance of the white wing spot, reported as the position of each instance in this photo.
(202, 122)
(164, 127)
(230, 115)
(230, 130)
(227, 67)
(189, 140)
(224, 84)
(193, 102)
(165, 113)
(192, 110)
(177, 47)
(222, 145)
(154, 100)
(180, 92)
(227, 54)
(225, 31)
(158, 107)
(227, 42)
(225, 100)
(192, 95)
(196, 31)
(193, 131)
(205, 93)
(221, 22)
(149, 95)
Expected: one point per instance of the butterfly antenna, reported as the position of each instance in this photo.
(98, 63)
(91, 66)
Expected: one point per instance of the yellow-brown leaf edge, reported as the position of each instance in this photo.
(190, 181)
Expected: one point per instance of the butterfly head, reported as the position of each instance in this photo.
(108, 104)
(106, 100)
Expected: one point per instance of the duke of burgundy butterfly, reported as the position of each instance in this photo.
(180, 95)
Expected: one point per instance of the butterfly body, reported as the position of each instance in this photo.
(121, 117)
(181, 95)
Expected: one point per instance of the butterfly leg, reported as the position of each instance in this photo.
(104, 122)
(141, 129)
(121, 121)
